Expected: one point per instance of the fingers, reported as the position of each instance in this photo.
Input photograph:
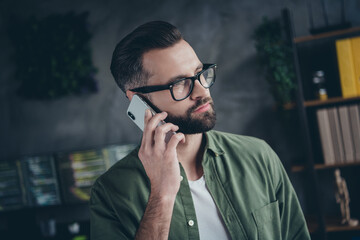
(146, 133)
(155, 132)
(175, 140)
(161, 131)
(152, 131)
(150, 123)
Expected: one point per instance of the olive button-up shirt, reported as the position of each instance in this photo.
(243, 175)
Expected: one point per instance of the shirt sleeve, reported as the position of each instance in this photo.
(104, 224)
(292, 221)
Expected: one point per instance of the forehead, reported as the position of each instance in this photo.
(164, 64)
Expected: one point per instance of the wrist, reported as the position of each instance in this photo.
(163, 199)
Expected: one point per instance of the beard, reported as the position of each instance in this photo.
(189, 125)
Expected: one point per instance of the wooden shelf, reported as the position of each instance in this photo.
(325, 35)
(300, 168)
(341, 228)
(315, 103)
(333, 224)
(318, 103)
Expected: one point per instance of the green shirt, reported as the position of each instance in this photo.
(244, 176)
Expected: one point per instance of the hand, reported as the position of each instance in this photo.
(159, 158)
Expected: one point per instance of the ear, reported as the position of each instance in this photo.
(130, 94)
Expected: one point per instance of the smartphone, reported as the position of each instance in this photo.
(136, 112)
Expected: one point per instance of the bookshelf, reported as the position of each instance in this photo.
(52, 188)
(313, 53)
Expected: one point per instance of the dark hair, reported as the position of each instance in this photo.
(126, 64)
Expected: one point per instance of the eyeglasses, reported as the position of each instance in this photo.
(182, 88)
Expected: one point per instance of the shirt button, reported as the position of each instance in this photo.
(181, 178)
(191, 223)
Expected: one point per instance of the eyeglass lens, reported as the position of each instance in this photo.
(183, 88)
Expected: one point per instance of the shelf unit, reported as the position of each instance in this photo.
(312, 53)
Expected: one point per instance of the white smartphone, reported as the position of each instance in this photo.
(136, 112)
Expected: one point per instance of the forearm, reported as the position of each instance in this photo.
(161, 165)
(155, 223)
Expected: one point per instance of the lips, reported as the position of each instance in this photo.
(203, 108)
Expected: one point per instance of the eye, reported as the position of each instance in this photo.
(182, 85)
(179, 84)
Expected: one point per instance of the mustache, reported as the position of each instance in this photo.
(199, 103)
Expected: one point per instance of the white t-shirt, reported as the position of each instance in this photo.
(210, 223)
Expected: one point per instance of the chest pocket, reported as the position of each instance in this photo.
(267, 219)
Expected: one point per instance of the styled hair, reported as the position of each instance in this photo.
(126, 64)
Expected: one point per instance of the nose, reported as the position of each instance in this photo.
(198, 91)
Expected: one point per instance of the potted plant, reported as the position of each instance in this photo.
(53, 56)
(276, 57)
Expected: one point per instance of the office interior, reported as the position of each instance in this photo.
(51, 130)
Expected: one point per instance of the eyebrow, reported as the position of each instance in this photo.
(199, 67)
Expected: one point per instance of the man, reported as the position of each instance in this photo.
(202, 184)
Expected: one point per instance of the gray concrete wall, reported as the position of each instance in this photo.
(219, 31)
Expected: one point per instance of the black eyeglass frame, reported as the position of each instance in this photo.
(156, 88)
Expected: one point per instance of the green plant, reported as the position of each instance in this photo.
(276, 56)
(53, 56)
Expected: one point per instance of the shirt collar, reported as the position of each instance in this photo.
(212, 145)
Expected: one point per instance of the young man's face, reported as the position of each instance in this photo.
(194, 114)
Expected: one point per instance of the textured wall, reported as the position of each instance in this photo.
(219, 31)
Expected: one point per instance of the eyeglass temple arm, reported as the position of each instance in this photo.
(149, 89)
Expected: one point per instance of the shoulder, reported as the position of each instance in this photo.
(230, 141)
(244, 151)
(248, 155)
(128, 173)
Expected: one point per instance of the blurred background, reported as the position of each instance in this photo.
(93, 117)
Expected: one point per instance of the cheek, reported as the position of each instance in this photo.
(173, 107)
(162, 100)
(165, 102)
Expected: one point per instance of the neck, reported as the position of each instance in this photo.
(190, 155)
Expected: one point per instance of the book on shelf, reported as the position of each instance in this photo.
(336, 135)
(348, 54)
(78, 171)
(339, 131)
(40, 179)
(325, 136)
(12, 190)
(354, 111)
(346, 134)
(355, 44)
